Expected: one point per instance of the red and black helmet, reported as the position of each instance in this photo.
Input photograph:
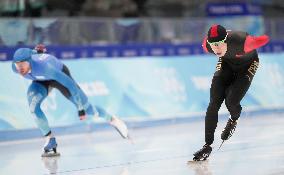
(216, 33)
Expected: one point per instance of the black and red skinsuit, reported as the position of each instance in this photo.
(233, 76)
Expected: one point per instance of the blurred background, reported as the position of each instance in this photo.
(105, 22)
(164, 72)
(143, 61)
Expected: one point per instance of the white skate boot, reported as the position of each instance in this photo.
(120, 126)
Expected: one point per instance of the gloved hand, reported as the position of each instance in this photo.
(82, 115)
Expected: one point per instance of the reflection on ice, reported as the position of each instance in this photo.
(200, 167)
(51, 164)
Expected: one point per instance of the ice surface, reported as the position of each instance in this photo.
(257, 147)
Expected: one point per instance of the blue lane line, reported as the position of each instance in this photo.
(10, 135)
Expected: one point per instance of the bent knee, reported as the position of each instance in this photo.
(233, 105)
(34, 103)
(214, 106)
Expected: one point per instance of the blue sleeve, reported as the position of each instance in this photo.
(57, 75)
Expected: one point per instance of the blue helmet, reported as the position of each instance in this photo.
(22, 54)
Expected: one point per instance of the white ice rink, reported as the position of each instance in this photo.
(256, 148)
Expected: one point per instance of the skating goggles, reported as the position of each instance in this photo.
(218, 42)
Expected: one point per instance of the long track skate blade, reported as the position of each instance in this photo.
(50, 154)
(221, 145)
(196, 161)
(127, 137)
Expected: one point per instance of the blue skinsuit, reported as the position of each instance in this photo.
(46, 68)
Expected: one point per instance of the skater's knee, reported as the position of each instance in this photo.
(213, 108)
(211, 119)
(34, 107)
(35, 101)
(234, 108)
(35, 95)
(232, 103)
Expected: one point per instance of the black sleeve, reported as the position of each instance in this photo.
(236, 41)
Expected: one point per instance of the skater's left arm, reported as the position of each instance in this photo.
(254, 42)
(66, 81)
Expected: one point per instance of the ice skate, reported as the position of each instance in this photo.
(50, 148)
(120, 126)
(203, 153)
(229, 129)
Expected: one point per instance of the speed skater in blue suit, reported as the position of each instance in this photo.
(47, 73)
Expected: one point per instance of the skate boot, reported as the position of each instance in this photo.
(50, 148)
(229, 129)
(203, 153)
(120, 126)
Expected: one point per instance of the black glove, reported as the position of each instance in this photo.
(82, 114)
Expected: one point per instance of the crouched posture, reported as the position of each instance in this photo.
(46, 73)
(236, 67)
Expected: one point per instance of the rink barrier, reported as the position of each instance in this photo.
(11, 135)
(128, 50)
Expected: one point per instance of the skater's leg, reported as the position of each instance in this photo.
(217, 95)
(36, 94)
(235, 94)
(88, 109)
(104, 114)
(113, 120)
(238, 89)
(118, 124)
(220, 82)
(64, 91)
(67, 94)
